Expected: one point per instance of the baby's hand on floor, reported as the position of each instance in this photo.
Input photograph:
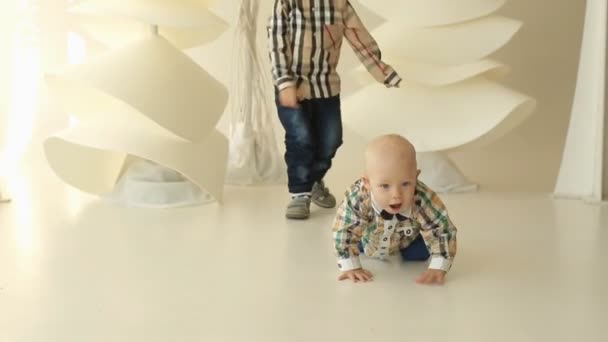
(357, 275)
(430, 277)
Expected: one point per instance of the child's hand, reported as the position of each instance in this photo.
(431, 277)
(357, 275)
(288, 97)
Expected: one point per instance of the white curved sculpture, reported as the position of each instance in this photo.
(87, 159)
(441, 75)
(426, 13)
(584, 171)
(146, 100)
(452, 44)
(114, 82)
(449, 98)
(180, 13)
(113, 23)
(438, 118)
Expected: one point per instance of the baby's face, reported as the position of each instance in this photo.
(392, 185)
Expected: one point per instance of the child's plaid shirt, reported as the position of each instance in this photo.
(305, 39)
(359, 220)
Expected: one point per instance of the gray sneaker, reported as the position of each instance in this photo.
(322, 197)
(298, 208)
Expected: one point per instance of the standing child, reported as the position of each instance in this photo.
(305, 37)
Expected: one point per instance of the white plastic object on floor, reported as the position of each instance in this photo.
(150, 185)
(442, 175)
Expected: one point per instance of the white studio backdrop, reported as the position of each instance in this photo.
(583, 173)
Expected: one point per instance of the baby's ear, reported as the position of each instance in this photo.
(365, 181)
(418, 173)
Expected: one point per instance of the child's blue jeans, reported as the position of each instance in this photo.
(313, 134)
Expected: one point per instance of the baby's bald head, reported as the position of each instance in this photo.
(392, 151)
(391, 172)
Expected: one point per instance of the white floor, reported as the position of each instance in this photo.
(73, 268)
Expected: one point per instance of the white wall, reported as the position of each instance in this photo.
(605, 176)
(605, 156)
(544, 60)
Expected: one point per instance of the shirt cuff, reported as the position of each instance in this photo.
(285, 82)
(348, 264)
(440, 263)
(392, 80)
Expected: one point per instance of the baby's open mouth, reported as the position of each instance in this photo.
(395, 206)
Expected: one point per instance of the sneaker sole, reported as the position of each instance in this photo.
(322, 205)
(297, 216)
